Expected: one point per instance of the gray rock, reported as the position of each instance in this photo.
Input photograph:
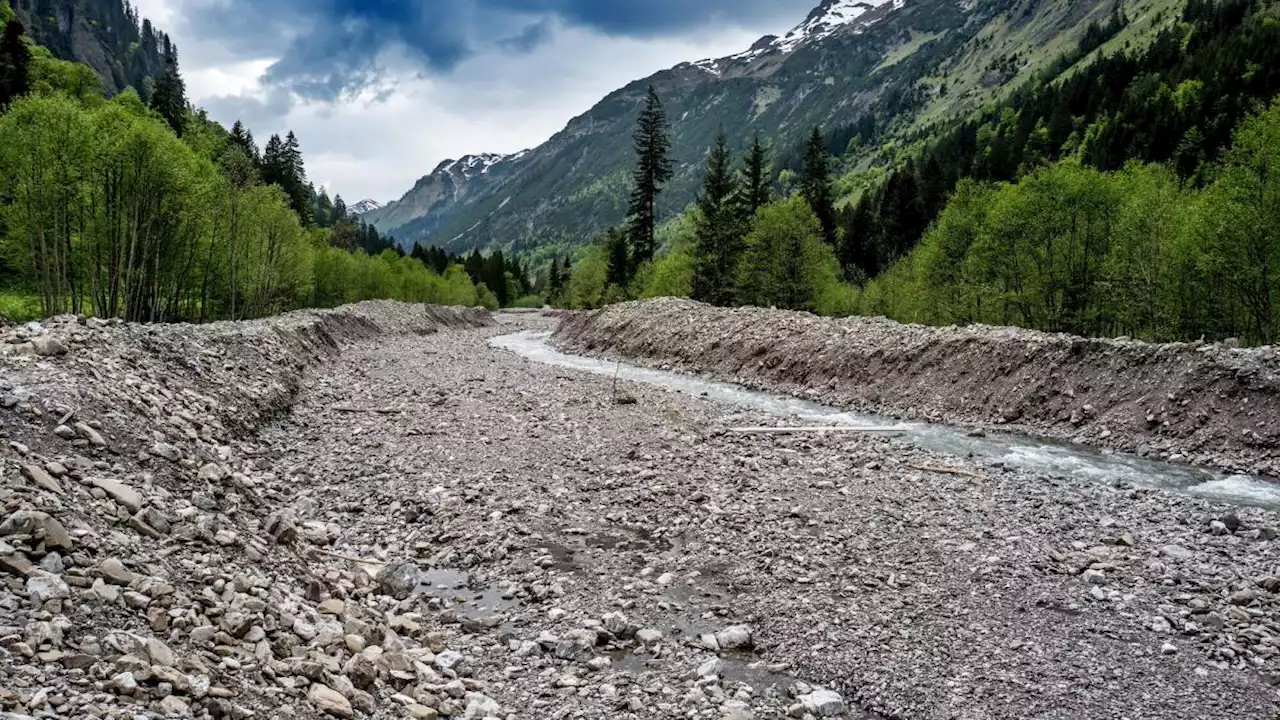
(330, 701)
(128, 497)
(648, 636)
(43, 586)
(577, 645)
(823, 703)
(88, 433)
(46, 345)
(449, 659)
(399, 580)
(42, 479)
(736, 637)
(39, 524)
(114, 571)
(481, 706)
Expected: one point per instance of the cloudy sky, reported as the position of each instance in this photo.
(380, 91)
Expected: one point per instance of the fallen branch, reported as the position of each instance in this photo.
(814, 429)
(340, 556)
(947, 471)
(379, 411)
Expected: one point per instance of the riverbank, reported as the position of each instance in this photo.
(1208, 405)
(427, 526)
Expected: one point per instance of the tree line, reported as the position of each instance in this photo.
(1134, 196)
(741, 243)
(1177, 101)
(149, 211)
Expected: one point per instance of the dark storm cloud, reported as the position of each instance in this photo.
(329, 48)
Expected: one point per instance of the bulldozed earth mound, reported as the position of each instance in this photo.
(1208, 404)
(144, 558)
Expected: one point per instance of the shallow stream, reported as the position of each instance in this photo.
(1017, 451)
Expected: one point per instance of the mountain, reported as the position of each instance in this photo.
(437, 199)
(109, 36)
(894, 66)
(364, 207)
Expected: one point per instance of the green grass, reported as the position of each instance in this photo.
(918, 39)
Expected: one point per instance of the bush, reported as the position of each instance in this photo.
(530, 301)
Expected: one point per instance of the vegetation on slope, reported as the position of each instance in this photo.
(1096, 201)
(152, 212)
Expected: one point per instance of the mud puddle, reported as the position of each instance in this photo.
(487, 606)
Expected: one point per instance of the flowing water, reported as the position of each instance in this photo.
(1044, 456)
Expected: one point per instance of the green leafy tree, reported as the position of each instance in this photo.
(653, 170)
(787, 263)
(718, 241)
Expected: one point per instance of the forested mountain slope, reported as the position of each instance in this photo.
(110, 36)
(874, 70)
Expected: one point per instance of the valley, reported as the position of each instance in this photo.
(410, 521)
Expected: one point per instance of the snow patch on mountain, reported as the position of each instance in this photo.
(470, 166)
(827, 19)
(364, 206)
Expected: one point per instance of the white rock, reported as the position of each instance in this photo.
(823, 703)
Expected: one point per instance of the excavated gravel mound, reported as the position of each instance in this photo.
(1211, 405)
(140, 537)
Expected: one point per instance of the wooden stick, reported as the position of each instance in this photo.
(366, 561)
(816, 429)
(947, 471)
(378, 411)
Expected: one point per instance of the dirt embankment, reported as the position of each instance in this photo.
(142, 534)
(1211, 405)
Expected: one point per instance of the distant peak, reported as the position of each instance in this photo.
(364, 206)
(828, 18)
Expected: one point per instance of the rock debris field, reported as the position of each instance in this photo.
(370, 512)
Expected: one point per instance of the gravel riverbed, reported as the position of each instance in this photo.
(437, 528)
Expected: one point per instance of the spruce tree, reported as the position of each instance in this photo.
(555, 281)
(272, 162)
(653, 170)
(619, 265)
(717, 231)
(754, 190)
(169, 98)
(815, 185)
(243, 138)
(15, 62)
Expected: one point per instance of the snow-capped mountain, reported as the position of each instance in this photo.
(469, 166)
(435, 198)
(364, 206)
(847, 61)
(829, 18)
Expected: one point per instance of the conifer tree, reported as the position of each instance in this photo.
(815, 185)
(619, 262)
(169, 98)
(754, 191)
(555, 281)
(243, 138)
(717, 230)
(653, 170)
(15, 61)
